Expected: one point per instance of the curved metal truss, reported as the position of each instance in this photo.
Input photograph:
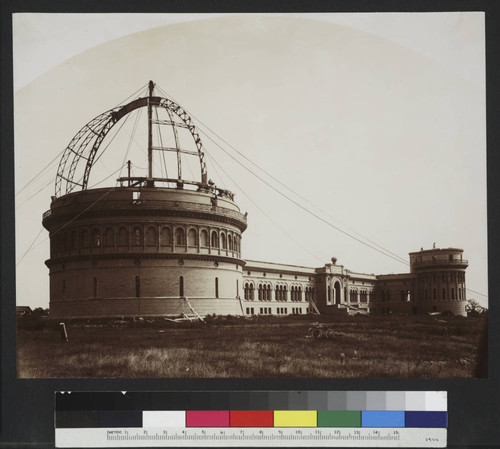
(86, 143)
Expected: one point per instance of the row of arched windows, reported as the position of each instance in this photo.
(264, 292)
(363, 296)
(124, 236)
(280, 293)
(296, 293)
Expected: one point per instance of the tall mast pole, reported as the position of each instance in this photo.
(150, 134)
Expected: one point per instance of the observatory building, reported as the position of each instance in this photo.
(159, 245)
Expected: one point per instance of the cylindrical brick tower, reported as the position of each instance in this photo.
(151, 245)
(440, 282)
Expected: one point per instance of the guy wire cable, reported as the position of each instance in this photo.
(382, 250)
(262, 211)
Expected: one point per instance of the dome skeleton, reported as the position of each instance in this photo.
(86, 144)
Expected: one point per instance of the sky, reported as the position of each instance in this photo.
(377, 121)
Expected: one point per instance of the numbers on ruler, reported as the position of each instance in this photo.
(258, 434)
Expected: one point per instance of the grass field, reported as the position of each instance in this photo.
(363, 346)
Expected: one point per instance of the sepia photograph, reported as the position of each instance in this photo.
(297, 195)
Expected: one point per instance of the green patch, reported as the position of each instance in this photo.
(334, 418)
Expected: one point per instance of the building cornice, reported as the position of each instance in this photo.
(141, 256)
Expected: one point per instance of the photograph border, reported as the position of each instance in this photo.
(27, 406)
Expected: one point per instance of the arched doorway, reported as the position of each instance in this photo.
(336, 294)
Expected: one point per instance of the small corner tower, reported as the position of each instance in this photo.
(440, 280)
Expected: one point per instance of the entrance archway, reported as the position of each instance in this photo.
(336, 294)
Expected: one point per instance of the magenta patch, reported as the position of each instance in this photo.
(212, 418)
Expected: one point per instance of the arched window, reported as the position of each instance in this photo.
(246, 291)
(230, 242)
(223, 240)
(192, 237)
(204, 238)
(74, 239)
(151, 236)
(137, 236)
(299, 294)
(96, 238)
(180, 238)
(216, 287)
(181, 286)
(166, 236)
(444, 294)
(109, 237)
(268, 293)
(285, 296)
(215, 240)
(123, 236)
(84, 239)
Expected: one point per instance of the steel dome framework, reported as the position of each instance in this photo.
(85, 145)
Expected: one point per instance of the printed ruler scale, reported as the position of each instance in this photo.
(253, 419)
